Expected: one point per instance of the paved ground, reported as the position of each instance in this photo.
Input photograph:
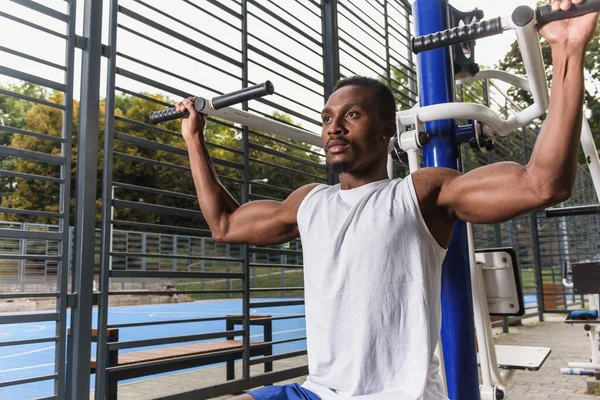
(568, 343)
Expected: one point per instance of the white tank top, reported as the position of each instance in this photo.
(372, 274)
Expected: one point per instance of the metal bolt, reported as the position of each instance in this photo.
(504, 259)
(423, 138)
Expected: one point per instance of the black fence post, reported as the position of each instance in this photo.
(85, 220)
(331, 59)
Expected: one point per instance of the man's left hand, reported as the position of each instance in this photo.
(573, 33)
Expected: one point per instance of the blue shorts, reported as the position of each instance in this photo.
(285, 392)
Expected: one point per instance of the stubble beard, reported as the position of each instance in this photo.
(342, 167)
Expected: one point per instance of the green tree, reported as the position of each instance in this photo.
(12, 114)
(148, 167)
(403, 82)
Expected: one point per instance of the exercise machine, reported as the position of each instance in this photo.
(430, 126)
(220, 107)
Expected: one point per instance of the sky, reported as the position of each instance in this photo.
(199, 77)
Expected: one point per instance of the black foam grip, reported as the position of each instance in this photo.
(457, 35)
(545, 14)
(242, 95)
(167, 115)
(225, 100)
(573, 211)
(170, 114)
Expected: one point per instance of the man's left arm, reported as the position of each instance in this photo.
(501, 191)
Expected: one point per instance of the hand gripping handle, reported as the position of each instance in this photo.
(545, 14)
(224, 100)
(521, 16)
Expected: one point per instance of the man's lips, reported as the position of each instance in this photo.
(336, 146)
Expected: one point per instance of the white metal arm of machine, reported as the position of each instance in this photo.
(524, 21)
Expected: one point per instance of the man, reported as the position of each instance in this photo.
(373, 247)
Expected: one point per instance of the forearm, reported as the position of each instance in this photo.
(215, 201)
(553, 163)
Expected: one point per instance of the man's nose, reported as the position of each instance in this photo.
(336, 127)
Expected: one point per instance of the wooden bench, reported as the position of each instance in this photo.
(167, 359)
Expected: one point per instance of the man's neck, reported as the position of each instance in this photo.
(351, 180)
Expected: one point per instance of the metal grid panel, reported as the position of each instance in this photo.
(166, 235)
(568, 240)
(35, 159)
(374, 38)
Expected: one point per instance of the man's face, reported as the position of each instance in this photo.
(353, 131)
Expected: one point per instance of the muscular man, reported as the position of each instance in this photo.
(373, 247)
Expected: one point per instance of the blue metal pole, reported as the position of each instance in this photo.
(436, 85)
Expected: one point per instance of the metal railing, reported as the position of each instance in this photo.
(50, 153)
(164, 252)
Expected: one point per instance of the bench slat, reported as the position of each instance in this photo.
(177, 351)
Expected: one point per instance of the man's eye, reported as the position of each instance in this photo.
(326, 119)
(352, 114)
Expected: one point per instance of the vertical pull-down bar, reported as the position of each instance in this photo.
(436, 85)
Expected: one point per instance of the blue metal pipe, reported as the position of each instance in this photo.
(464, 133)
(436, 85)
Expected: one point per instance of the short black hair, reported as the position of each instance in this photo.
(382, 93)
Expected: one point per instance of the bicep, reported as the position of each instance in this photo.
(265, 222)
(490, 194)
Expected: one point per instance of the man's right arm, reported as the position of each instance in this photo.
(262, 222)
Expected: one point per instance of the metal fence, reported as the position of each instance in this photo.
(146, 230)
(52, 154)
(40, 275)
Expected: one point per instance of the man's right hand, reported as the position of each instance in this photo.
(192, 127)
(261, 222)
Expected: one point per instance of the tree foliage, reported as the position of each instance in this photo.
(12, 113)
(403, 82)
(164, 167)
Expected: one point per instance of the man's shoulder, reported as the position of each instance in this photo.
(431, 179)
(297, 196)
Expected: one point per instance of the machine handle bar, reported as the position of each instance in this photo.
(216, 103)
(457, 35)
(572, 211)
(545, 14)
(521, 16)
